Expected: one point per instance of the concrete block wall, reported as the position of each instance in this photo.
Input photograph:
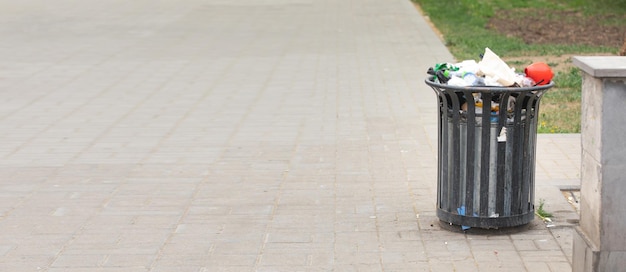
(600, 240)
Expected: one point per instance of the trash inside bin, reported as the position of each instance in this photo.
(487, 140)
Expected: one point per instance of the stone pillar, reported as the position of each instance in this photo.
(600, 238)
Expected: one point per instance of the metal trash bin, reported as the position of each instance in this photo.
(486, 158)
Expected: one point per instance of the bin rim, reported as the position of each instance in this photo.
(430, 82)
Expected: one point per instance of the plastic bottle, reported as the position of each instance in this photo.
(472, 80)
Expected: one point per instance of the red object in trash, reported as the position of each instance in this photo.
(539, 72)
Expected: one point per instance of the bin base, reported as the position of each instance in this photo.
(533, 225)
(486, 222)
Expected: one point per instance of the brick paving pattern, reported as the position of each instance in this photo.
(239, 135)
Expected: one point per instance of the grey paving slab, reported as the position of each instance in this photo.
(214, 135)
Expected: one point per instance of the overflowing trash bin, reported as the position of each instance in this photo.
(486, 151)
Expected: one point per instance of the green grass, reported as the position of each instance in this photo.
(463, 25)
(541, 212)
(561, 113)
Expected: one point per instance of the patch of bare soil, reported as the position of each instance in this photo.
(538, 26)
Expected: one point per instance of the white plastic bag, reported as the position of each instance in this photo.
(495, 69)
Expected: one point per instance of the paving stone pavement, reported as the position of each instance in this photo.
(238, 135)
